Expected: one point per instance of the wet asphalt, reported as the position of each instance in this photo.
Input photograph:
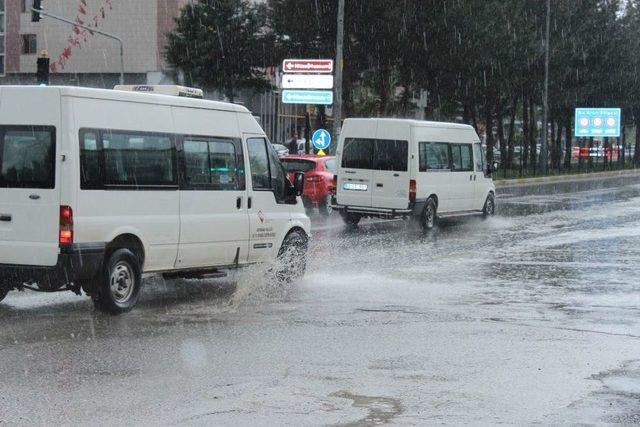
(532, 316)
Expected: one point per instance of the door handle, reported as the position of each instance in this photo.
(470, 177)
(248, 202)
(396, 174)
(379, 185)
(34, 197)
(5, 218)
(239, 202)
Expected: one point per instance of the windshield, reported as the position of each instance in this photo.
(27, 157)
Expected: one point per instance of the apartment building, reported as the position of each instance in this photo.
(83, 57)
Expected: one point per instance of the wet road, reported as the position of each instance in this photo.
(529, 317)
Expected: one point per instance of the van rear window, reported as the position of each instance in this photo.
(298, 165)
(377, 154)
(27, 157)
(358, 153)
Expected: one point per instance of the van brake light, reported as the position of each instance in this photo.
(66, 225)
(412, 190)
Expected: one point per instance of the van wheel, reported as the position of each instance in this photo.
(325, 208)
(292, 257)
(428, 217)
(489, 206)
(118, 287)
(351, 219)
(3, 293)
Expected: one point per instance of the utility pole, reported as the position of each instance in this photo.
(337, 107)
(36, 12)
(545, 101)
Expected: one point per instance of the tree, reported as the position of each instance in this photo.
(221, 45)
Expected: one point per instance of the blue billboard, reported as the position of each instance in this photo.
(598, 122)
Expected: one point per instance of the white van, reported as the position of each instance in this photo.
(100, 186)
(392, 168)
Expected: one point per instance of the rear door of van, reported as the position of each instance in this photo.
(355, 170)
(29, 176)
(390, 188)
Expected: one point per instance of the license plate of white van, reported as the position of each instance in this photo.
(354, 186)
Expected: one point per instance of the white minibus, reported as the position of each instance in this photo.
(392, 168)
(99, 186)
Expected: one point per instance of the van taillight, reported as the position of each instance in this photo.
(412, 190)
(66, 225)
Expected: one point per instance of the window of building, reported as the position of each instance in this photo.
(26, 6)
(29, 44)
(2, 39)
(434, 156)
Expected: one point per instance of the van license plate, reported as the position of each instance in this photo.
(354, 187)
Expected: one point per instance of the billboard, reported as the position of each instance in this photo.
(597, 122)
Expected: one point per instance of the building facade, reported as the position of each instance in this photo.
(82, 57)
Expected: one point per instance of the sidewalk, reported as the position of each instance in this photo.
(518, 182)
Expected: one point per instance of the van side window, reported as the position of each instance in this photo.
(138, 159)
(358, 153)
(259, 162)
(461, 157)
(391, 155)
(91, 173)
(212, 163)
(434, 156)
(267, 172)
(477, 153)
(278, 176)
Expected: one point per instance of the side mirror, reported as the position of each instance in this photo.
(299, 183)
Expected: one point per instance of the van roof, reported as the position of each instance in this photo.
(141, 97)
(416, 123)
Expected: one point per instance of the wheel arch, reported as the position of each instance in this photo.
(127, 241)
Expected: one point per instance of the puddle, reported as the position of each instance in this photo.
(380, 410)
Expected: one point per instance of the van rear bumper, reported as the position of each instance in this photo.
(76, 263)
(413, 209)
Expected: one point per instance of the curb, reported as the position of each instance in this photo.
(565, 178)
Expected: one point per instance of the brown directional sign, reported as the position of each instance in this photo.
(316, 66)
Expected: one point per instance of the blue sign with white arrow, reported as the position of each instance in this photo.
(321, 139)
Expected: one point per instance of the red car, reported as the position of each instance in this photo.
(318, 178)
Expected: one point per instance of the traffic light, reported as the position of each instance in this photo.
(37, 5)
(42, 75)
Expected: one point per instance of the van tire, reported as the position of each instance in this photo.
(292, 257)
(351, 219)
(3, 293)
(429, 215)
(489, 208)
(325, 207)
(119, 283)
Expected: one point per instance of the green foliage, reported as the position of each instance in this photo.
(222, 45)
